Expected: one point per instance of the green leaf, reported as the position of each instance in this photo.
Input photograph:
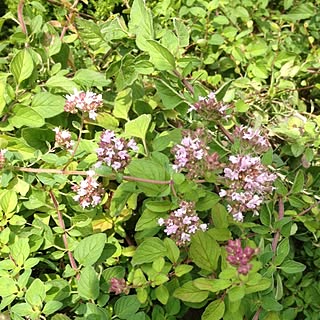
(51, 307)
(269, 303)
(301, 12)
(162, 294)
(141, 24)
(204, 251)
(106, 120)
(182, 32)
(190, 293)
(236, 293)
(279, 287)
(160, 56)
(122, 104)
(182, 269)
(126, 306)
(7, 287)
(25, 116)
(91, 78)
(150, 170)
(261, 286)
(173, 251)
(21, 66)
(220, 216)
(88, 285)
(66, 84)
(48, 105)
(23, 309)
(90, 249)
(220, 234)
(283, 250)
(38, 138)
(169, 96)
(149, 250)
(298, 182)
(214, 311)
(212, 285)
(292, 266)
(8, 201)
(36, 293)
(20, 251)
(138, 127)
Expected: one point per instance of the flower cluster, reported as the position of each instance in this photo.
(118, 286)
(209, 108)
(63, 139)
(192, 155)
(239, 257)
(252, 139)
(2, 157)
(113, 151)
(182, 223)
(248, 181)
(84, 101)
(89, 192)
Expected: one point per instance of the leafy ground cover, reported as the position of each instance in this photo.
(160, 160)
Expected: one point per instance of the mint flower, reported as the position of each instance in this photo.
(113, 151)
(89, 192)
(118, 286)
(239, 257)
(182, 223)
(209, 108)
(248, 183)
(2, 157)
(192, 155)
(87, 102)
(63, 139)
(252, 139)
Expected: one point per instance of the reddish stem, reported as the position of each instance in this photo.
(64, 235)
(257, 314)
(277, 235)
(20, 17)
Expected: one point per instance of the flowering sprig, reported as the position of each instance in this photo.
(192, 155)
(249, 181)
(114, 151)
(209, 108)
(239, 257)
(63, 139)
(87, 102)
(251, 139)
(2, 157)
(118, 286)
(182, 223)
(90, 192)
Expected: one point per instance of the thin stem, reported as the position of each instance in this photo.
(84, 173)
(64, 235)
(21, 19)
(77, 143)
(277, 235)
(173, 189)
(257, 314)
(225, 132)
(184, 81)
(69, 18)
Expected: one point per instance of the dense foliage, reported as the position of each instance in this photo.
(160, 160)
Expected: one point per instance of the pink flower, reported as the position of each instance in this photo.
(114, 151)
(63, 139)
(89, 191)
(239, 257)
(182, 222)
(248, 182)
(88, 102)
